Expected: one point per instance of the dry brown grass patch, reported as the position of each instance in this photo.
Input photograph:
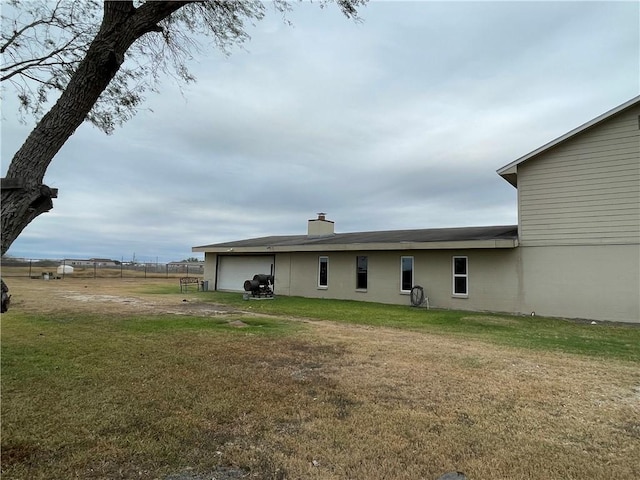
(329, 401)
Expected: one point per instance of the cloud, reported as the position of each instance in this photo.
(396, 122)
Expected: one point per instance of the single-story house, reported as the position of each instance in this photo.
(574, 253)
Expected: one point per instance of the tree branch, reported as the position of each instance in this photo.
(149, 14)
(17, 33)
(20, 67)
(52, 20)
(24, 71)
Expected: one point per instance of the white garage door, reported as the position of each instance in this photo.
(233, 271)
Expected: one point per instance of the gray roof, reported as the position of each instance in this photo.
(399, 237)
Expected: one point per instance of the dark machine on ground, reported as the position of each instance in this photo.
(6, 298)
(260, 286)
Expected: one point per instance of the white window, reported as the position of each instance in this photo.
(323, 272)
(406, 274)
(460, 276)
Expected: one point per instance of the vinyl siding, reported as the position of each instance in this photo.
(586, 190)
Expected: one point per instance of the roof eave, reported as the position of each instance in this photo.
(509, 171)
(350, 247)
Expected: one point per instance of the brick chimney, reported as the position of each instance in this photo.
(320, 226)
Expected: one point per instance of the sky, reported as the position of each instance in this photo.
(399, 121)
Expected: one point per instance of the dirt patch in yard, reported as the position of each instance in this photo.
(113, 296)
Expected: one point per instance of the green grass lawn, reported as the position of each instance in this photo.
(100, 396)
(609, 340)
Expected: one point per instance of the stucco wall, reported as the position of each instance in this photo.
(210, 269)
(591, 282)
(493, 276)
(282, 274)
(594, 282)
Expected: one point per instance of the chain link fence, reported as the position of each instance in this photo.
(49, 269)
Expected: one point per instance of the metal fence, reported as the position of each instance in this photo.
(59, 269)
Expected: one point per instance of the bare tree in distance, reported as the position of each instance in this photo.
(77, 50)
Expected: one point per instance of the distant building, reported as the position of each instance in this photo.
(195, 267)
(98, 262)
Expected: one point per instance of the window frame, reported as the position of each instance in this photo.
(455, 276)
(413, 263)
(326, 262)
(359, 273)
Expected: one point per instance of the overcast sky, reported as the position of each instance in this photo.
(396, 122)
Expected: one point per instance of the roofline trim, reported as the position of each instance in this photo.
(349, 247)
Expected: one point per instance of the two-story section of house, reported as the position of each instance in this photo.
(579, 220)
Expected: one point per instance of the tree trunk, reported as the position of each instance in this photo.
(24, 196)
